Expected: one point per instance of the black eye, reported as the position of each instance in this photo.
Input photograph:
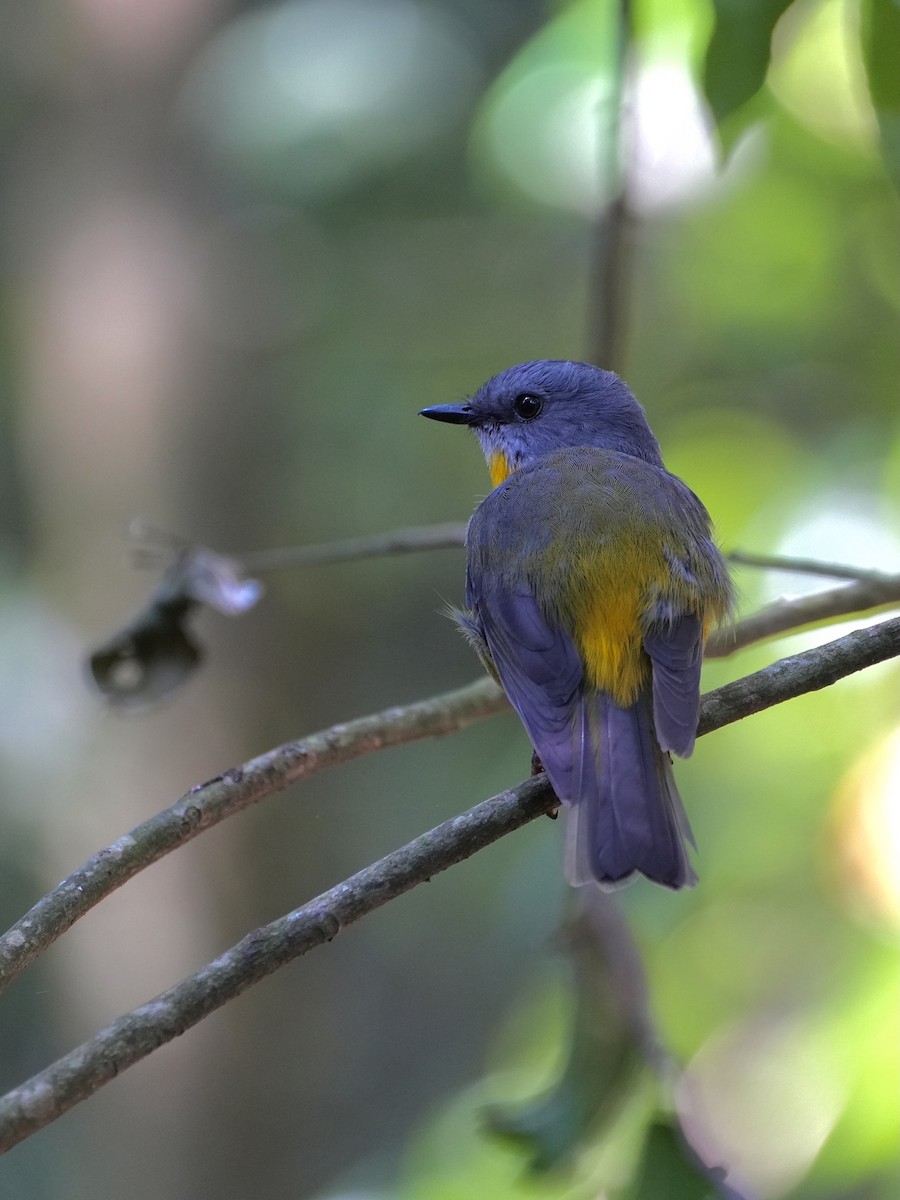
(527, 406)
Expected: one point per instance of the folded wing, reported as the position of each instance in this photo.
(676, 653)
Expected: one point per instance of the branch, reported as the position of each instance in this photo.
(237, 789)
(798, 674)
(610, 299)
(806, 566)
(154, 547)
(229, 793)
(874, 591)
(400, 541)
(610, 316)
(153, 654)
(133, 1036)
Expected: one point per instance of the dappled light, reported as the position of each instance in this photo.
(311, 96)
(865, 834)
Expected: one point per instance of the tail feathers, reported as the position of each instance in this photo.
(625, 815)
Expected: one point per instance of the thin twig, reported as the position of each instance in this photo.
(133, 1036)
(152, 546)
(229, 793)
(400, 541)
(788, 615)
(808, 566)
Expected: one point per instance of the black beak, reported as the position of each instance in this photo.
(453, 414)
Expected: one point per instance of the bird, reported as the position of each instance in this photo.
(593, 580)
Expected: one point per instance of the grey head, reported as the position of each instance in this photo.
(534, 408)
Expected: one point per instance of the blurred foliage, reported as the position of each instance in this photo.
(737, 59)
(880, 21)
(243, 244)
(607, 1059)
(156, 652)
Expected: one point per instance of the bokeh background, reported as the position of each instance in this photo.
(242, 244)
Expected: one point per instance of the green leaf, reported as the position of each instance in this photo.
(670, 1168)
(880, 34)
(607, 1061)
(603, 1072)
(737, 59)
(880, 29)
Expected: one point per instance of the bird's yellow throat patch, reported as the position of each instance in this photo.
(500, 467)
